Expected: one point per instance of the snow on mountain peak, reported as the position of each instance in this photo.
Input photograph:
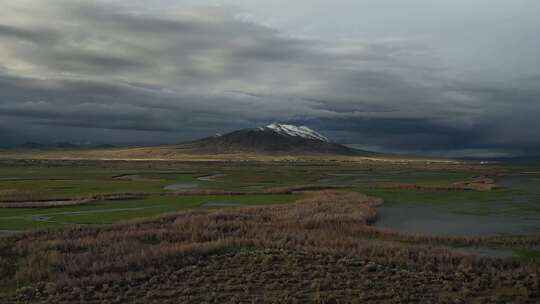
(297, 131)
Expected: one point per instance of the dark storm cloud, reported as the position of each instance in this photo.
(4, 131)
(112, 125)
(82, 66)
(402, 133)
(7, 138)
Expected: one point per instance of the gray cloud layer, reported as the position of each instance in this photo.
(89, 71)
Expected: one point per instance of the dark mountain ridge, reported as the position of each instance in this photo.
(272, 139)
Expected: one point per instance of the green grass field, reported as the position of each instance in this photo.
(108, 212)
(26, 180)
(136, 195)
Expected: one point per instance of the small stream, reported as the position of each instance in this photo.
(181, 186)
(211, 178)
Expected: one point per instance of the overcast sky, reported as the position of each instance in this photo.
(457, 77)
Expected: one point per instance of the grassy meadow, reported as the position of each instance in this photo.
(156, 231)
(115, 191)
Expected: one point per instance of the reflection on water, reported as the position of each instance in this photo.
(489, 252)
(181, 186)
(428, 220)
(527, 183)
(444, 221)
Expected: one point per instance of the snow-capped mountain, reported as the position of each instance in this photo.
(275, 138)
(301, 131)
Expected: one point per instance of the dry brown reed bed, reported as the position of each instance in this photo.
(477, 183)
(46, 204)
(326, 222)
(63, 202)
(13, 195)
(499, 241)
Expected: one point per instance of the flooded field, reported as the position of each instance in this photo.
(489, 252)
(434, 221)
(517, 213)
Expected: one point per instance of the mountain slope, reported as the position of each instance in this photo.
(274, 139)
(273, 142)
(32, 145)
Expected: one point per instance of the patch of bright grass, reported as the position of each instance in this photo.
(528, 254)
(107, 212)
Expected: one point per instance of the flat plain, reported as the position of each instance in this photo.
(161, 230)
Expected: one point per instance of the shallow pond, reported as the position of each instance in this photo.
(514, 216)
(489, 252)
(435, 221)
(181, 186)
(527, 183)
(211, 178)
(131, 177)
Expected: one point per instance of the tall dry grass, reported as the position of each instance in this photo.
(322, 222)
(27, 199)
(15, 195)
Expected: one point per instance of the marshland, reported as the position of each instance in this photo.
(237, 151)
(114, 231)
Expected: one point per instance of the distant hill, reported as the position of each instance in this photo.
(272, 139)
(32, 145)
(271, 142)
(39, 146)
(65, 145)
